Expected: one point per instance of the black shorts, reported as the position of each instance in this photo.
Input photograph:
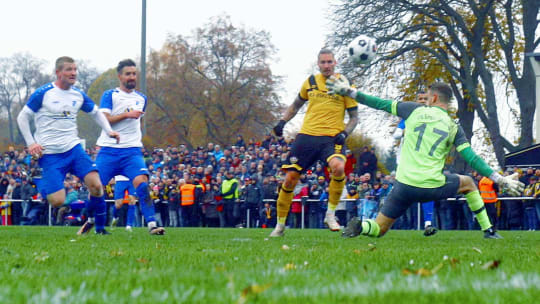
(403, 196)
(307, 149)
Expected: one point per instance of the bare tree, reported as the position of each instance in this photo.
(86, 74)
(20, 75)
(214, 85)
(471, 41)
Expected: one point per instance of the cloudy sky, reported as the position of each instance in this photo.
(105, 31)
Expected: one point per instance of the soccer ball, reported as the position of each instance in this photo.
(362, 49)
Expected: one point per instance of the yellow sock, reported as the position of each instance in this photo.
(475, 202)
(284, 202)
(335, 188)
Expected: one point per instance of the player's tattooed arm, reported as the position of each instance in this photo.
(353, 120)
(293, 109)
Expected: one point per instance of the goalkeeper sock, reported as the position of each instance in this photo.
(476, 204)
(370, 228)
(335, 188)
(284, 202)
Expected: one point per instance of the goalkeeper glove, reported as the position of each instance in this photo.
(278, 129)
(339, 139)
(339, 86)
(510, 183)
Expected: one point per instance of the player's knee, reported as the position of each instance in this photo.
(338, 171)
(466, 183)
(291, 179)
(56, 202)
(337, 166)
(95, 190)
(143, 178)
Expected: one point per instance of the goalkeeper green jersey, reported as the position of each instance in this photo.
(430, 134)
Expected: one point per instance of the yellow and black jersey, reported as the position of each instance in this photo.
(325, 113)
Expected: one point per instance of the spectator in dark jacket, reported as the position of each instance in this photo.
(270, 189)
(253, 195)
(28, 190)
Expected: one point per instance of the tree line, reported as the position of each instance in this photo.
(217, 82)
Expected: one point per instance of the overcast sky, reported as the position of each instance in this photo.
(105, 31)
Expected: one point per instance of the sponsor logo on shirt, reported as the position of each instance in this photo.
(64, 115)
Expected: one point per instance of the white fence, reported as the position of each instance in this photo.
(304, 201)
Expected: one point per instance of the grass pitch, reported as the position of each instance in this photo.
(53, 265)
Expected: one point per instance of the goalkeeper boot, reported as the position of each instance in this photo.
(430, 230)
(490, 233)
(279, 231)
(157, 231)
(354, 228)
(85, 228)
(332, 223)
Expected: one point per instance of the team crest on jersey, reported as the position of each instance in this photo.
(66, 113)
(294, 159)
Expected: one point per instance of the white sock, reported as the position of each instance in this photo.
(330, 212)
(151, 224)
(91, 220)
(427, 223)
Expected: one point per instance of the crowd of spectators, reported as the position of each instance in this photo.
(255, 166)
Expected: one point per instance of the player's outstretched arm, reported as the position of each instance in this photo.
(291, 111)
(341, 86)
(102, 121)
(510, 184)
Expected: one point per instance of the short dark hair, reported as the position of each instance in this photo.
(59, 65)
(124, 63)
(325, 51)
(443, 90)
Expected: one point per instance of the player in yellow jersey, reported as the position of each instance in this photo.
(322, 137)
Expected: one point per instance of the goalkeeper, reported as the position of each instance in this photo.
(431, 134)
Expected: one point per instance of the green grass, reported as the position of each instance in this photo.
(53, 265)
